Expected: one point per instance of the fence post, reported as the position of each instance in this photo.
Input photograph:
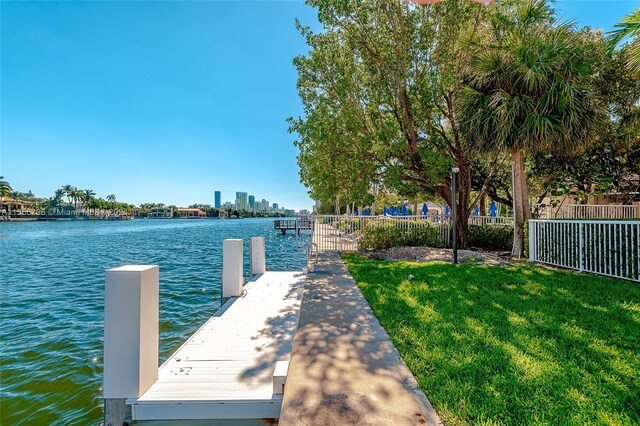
(533, 236)
(232, 258)
(130, 337)
(257, 254)
(581, 242)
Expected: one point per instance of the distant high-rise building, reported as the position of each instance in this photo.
(242, 202)
(218, 199)
(252, 202)
(275, 206)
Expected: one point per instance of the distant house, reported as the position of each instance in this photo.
(160, 213)
(17, 208)
(191, 213)
(137, 212)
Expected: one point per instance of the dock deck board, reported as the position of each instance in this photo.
(225, 369)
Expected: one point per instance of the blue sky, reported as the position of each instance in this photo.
(163, 101)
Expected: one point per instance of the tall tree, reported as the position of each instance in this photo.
(380, 89)
(527, 91)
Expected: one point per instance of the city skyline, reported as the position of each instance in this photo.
(250, 203)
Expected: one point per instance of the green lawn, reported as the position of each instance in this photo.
(512, 344)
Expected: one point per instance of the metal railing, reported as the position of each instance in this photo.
(347, 233)
(344, 233)
(491, 220)
(610, 248)
(585, 211)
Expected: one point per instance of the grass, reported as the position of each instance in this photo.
(512, 344)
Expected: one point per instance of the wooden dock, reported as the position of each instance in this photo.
(226, 369)
(296, 225)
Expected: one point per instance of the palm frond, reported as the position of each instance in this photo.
(629, 26)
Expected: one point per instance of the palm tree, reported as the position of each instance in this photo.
(527, 91)
(112, 199)
(68, 191)
(629, 26)
(56, 200)
(5, 191)
(88, 196)
(78, 195)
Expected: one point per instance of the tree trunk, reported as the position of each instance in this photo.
(483, 205)
(521, 207)
(463, 194)
(337, 210)
(463, 209)
(462, 224)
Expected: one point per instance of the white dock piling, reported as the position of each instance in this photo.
(280, 377)
(130, 336)
(232, 258)
(257, 253)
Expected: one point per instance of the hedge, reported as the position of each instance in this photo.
(387, 236)
(490, 237)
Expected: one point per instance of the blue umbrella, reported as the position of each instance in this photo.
(405, 211)
(446, 210)
(425, 209)
(393, 210)
(493, 209)
(476, 212)
(355, 212)
(365, 212)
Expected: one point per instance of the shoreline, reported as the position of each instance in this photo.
(78, 219)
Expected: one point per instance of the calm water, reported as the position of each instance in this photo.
(52, 294)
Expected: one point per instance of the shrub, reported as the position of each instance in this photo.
(491, 237)
(387, 236)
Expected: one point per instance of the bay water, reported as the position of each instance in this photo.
(52, 299)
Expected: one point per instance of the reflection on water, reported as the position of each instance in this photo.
(52, 294)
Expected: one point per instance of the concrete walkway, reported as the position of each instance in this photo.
(344, 370)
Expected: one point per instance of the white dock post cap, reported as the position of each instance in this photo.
(258, 261)
(280, 377)
(232, 263)
(130, 330)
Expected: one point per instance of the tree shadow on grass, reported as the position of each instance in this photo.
(512, 344)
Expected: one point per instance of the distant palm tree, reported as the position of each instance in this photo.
(78, 195)
(629, 26)
(88, 197)
(5, 191)
(112, 199)
(56, 200)
(68, 191)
